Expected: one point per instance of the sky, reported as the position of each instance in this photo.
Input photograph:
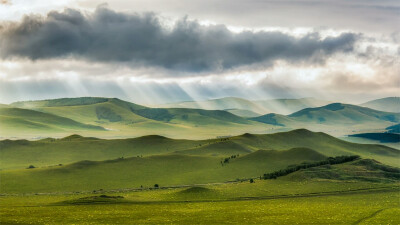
(153, 52)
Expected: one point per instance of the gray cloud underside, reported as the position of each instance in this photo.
(141, 39)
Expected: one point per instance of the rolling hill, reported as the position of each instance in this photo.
(17, 119)
(393, 129)
(92, 109)
(390, 104)
(20, 154)
(281, 106)
(243, 112)
(171, 169)
(332, 114)
(359, 170)
(126, 119)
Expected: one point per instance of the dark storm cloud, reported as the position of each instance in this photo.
(141, 39)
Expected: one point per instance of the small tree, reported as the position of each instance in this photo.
(31, 167)
(251, 180)
(156, 186)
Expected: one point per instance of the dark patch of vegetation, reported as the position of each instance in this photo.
(268, 119)
(156, 186)
(154, 114)
(31, 167)
(294, 168)
(226, 160)
(100, 199)
(196, 190)
(107, 114)
(382, 137)
(334, 107)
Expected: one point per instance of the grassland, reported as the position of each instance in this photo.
(280, 201)
(78, 179)
(168, 170)
(20, 154)
(16, 119)
(123, 119)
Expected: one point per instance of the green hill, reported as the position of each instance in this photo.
(275, 119)
(335, 114)
(125, 119)
(59, 102)
(49, 152)
(116, 110)
(242, 112)
(280, 106)
(171, 169)
(16, 119)
(390, 104)
(360, 170)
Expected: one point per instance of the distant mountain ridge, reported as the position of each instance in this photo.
(389, 104)
(132, 119)
(330, 114)
(127, 117)
(280, 106)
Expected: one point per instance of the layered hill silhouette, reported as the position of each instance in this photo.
(116, 110)
(335, 113)
(49, 152)
(168, 170)
(247, 108)
(111, 117)
(390, 104)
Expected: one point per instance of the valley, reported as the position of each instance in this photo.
(86, 156)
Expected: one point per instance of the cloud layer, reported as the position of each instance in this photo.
(142, 40)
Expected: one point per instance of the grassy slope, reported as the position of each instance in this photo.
(366, 208)
(243, 113)
(359, 170)
(334, 118)
(343, 113)
(115, 110)
(286, 200)
(125, 119)
(30, 120)
(172, 169)
(47, 152)
(282, 106)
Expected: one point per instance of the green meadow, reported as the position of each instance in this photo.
(108, 161)
(279, 201)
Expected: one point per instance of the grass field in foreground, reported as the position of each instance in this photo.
(378, 205)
